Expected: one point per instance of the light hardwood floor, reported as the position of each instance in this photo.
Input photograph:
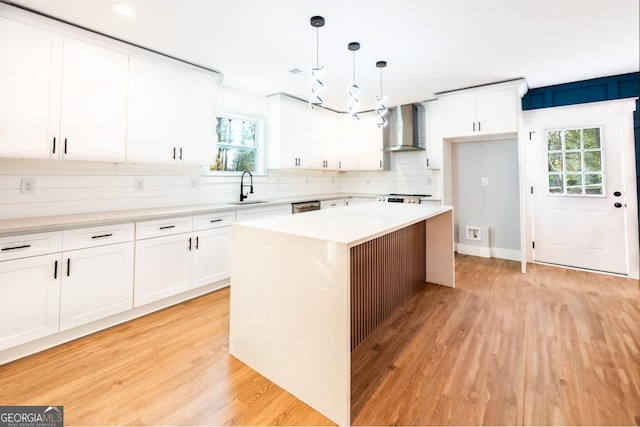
(552, 347)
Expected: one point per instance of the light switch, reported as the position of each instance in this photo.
(484, 181)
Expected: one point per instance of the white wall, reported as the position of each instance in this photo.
(79, 187)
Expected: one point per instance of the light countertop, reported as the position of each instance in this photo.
(350, 225)
(63, 222)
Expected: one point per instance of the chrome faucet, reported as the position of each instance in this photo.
(242, 195)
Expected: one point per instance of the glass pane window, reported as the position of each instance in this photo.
(237, 145)
(575, 165)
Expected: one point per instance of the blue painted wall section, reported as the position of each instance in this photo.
(594, 90)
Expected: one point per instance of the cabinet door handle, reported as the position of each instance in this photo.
(174, 153)
(197, 242)
(427, 162)
(380, 163)
(180, 153)
(68, 266)
(54, 145)
(340, 165)
(216, 220)
(102, 235)
(55, 269)
(13, 248)
(479, 128)
(474, 126)
(65, 146)
(189, 243)
(166, 227)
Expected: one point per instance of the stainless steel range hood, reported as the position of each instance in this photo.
(404, 133)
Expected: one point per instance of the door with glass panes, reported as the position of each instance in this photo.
(579, 198)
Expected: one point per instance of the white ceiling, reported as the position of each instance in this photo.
(430, 45)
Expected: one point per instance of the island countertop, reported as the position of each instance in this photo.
(307, 288)
(349, 225)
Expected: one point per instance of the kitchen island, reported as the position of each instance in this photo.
(307, 289)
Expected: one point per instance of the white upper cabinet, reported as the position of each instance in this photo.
(85, 122)
(436, 130)
(324, 140)
(489, 110)
(153, 113)
(197, 118)
(360, 143)
(370, 144)
(289, 145)
(30, 84)
(348, 145)
(94, 99)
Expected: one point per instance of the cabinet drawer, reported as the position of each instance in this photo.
(96, 236)
(214, 220)
(26, 245)
(163, 227)
(328, 204)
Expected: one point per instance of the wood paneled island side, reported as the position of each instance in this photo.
(307, 289)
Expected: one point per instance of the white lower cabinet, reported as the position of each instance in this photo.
(96, 273)
(175, 263)
(96, 282)
(212, 256)
(163, 267)
(30, 302)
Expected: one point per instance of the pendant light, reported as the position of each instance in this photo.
(381, 109)
(353, 90)
(317, 87)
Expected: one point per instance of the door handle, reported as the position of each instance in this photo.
(617, 204)
(617, 193)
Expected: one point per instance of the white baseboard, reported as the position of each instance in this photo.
(484, 252)
(510, 254)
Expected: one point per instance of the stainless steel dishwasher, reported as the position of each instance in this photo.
(299, 207)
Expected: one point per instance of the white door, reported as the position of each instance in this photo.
(581, 199)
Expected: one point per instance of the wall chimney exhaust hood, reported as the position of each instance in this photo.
(404, 131)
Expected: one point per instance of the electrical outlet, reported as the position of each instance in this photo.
(139, 184)
(194, 183)
(27, 185)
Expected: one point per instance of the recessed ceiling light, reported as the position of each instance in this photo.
(295, 71)
(123, 9)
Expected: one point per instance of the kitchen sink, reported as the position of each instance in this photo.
(248, 202)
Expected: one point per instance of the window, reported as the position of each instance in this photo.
(574, 158)
(237, 144)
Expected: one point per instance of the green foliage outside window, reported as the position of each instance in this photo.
(574, 159)
(237, 145)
